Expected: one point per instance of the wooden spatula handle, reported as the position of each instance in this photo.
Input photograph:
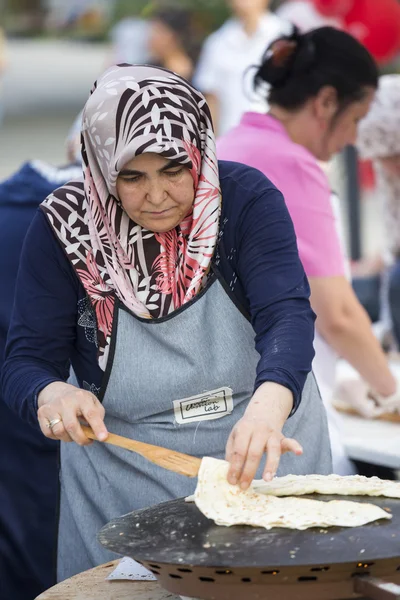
(122, 442)
(163, 457)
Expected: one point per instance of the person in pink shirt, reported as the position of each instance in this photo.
(321, 84)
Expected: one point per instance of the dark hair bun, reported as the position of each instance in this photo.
(283, 57)
(297, 66)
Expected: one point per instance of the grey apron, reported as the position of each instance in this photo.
(166, 377)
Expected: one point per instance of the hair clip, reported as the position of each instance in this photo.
(281, 50)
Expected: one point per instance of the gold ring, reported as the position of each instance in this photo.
(53, 423)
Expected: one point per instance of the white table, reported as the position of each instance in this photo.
(370, 441)
(375, 442)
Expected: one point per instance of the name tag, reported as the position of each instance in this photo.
(204, 407)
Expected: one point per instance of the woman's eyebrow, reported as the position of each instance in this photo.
(132, 172)
(129, 172)
(170, 165)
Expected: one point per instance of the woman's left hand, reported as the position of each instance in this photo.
(260, 431)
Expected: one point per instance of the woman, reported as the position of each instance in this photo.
(142, 282)
(173, 41)
(322, 83)
(379, 141)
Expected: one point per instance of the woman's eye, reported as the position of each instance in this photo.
(131, 179)
(174, 173)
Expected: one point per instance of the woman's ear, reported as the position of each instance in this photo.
(325, 104)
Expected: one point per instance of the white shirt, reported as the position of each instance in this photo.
(226, 55)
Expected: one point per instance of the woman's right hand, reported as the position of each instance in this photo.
(63, 401)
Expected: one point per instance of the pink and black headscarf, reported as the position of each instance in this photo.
(133, 110)
(379, 137)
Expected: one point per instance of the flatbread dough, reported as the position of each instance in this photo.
(347, 485)
(302, 485)
(229, 505)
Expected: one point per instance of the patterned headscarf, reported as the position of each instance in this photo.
(379, 131)
(133, 110)
(379, 137)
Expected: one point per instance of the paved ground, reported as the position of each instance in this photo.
(45, 86)
(26, 138)
(48, 76)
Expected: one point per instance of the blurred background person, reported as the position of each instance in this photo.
(379, 141)
(29, 476)
(173, 40)
(322, 84)
(129, 41)
(227, 54)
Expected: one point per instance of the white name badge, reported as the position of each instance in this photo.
(204, 407)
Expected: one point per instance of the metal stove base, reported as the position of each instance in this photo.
(319, 582)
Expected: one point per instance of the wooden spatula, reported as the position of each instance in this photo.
(167, 459)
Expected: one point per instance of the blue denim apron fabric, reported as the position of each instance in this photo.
(165, 377)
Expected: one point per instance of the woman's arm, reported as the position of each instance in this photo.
(345, 325)
(259, 431)
(42, 331)
(276, 295)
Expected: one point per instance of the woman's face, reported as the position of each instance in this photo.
(341, 131)
(162, 40)
(155, 192)
(245, 8)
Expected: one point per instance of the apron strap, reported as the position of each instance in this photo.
(228, 290)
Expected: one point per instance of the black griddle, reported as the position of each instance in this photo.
(192, 556)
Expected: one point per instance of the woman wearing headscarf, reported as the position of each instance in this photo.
(379, 141)
(186, 319)
(321, 85)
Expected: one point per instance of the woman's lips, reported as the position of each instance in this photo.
(159, 214)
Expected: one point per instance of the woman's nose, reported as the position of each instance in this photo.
(156, 194)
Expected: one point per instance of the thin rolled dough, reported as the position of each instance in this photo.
(347, 485)
(302, 485)
(229, 505)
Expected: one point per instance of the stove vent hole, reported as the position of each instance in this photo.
(154, 572)
(364, 565)
(206, 579)
(274, 572)
(320, 569)
(307, 579)
(185, 570)
(152, 566)
(173, 576)
(224, 572)
(246, 579)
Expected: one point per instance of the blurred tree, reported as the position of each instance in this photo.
(23, 5)
(25, 15)
(31, 7)
(210, 13)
